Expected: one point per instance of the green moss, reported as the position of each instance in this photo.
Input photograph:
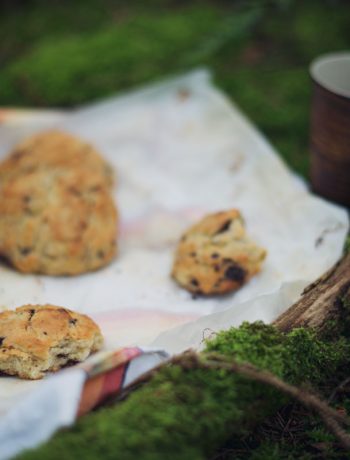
(297, 356)
(344, 300)
(146, 47)
(311, 359)
(259, 52)
(347, 245)
(189, 412)
(320, 28)
(260, 344)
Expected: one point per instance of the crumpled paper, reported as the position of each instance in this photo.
(180, 149)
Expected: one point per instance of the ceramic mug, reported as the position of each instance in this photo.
(330, 127)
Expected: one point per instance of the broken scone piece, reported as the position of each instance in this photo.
(215, 256)
(35, 339)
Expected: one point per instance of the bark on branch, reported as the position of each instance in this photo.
(322, 302)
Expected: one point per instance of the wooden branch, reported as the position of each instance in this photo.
(322, 302)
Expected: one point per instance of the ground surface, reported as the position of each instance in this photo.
(63, 53)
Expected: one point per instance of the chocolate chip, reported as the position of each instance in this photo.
(235, 273)
(29, 169)
(31, 314)
(25, 250)
(215, 255)
(96, 188)
(193, 254)
(224, 227)
(194, 282)
(1, 340)
(50, 256)
(73, 321)
(62, 355)
(18, 154)
(74, 191)
(71, 362)
(44, 332)
(26, 199)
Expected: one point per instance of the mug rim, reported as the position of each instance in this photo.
(342, 56)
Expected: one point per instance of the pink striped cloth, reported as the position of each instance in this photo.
(105, 378)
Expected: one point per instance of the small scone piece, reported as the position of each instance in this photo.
(215, 256)
(56, 217)
(35, 339)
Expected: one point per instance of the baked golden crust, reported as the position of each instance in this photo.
(35, 339)
(56, 220)
(54, 150)
(215, 256)
(57, 223)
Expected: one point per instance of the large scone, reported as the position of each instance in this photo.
(57, 220)
(54, 150)
(57, 224)
(215, 256)
(35, 339)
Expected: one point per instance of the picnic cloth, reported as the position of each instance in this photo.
(180, 149)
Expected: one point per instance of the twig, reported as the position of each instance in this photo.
(338, 388)
(330, 417)
(190, 360)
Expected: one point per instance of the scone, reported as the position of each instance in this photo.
(57, 215)
(54, 150)
(35, 339)
(57, 223)
(215, 256)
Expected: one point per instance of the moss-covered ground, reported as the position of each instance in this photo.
(63, 53)
(189, 412)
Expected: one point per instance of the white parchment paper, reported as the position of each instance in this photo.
(180, 150)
